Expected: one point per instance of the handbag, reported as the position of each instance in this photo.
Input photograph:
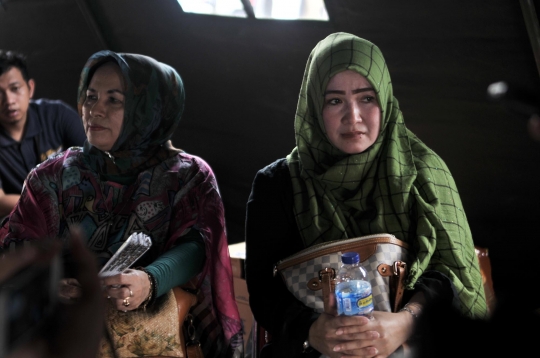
(310, 274)
(163, 329)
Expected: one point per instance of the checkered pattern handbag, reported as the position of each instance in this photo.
(310, 273)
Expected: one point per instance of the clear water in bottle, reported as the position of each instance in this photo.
(353, 290)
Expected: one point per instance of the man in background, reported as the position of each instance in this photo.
(30, 130)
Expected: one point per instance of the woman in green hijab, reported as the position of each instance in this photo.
(356, 170)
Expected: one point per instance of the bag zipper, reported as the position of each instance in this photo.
(328, 246)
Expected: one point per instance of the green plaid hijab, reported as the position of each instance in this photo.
(154, 102)
(397, 186)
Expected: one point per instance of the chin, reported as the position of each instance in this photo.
(100, 147)
(99, 144)
(353, 150)
(10, 120)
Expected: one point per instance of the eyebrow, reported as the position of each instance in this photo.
(359, 90)
(109, 91)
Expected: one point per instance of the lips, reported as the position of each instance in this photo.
(352, 135)
(95, 127)
(11, 112)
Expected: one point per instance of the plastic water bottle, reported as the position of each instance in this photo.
(353, 290)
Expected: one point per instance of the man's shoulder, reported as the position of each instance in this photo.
(46, 109)
(48, 103)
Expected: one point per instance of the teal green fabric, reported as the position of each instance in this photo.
(397, 186)
(154, 104)
(169, 269)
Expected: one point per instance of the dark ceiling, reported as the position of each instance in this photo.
(242, 79)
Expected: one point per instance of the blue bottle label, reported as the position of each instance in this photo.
(354, 298)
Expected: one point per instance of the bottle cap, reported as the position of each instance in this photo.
(350, 258)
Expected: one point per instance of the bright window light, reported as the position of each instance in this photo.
(262, 9)
(233, 8)
(290, 9)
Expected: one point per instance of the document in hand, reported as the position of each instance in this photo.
(134, 247)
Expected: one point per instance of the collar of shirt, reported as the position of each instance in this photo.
(32, 129)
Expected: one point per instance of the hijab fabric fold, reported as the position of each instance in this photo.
(397, 186)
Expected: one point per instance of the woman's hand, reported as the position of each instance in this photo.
(323, 335)
(392, 329)
(128, 290)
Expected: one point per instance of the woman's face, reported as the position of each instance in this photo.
(351, 112)
(103, 108)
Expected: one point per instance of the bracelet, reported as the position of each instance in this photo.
(414, 314)
(306, 347)
(153, 288)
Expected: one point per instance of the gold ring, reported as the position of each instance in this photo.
(130, 293)
(126, 301)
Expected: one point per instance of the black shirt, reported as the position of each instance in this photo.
(51, 127)
(271, 235)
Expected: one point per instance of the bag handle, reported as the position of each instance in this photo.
(327, 278)
(185, 301)
(397, 283)
(193, 346)
(396, 274)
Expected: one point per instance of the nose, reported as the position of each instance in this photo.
(6, 97)
(352, 113)
(97, 109)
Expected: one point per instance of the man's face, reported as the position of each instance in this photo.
(15, 94)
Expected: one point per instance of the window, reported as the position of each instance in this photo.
(261, 9)
(214, 7)
(290, 9)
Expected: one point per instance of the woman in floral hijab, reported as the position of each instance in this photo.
(128, 178)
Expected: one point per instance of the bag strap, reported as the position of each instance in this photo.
(327, 279)
(193, 346)
(194, 351)
(397, 284)
(185, 301)
(396, 274)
